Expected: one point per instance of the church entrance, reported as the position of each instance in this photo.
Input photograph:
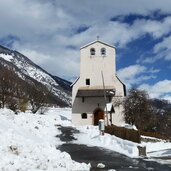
(98, 114)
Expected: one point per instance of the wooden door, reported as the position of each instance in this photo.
(98, 114)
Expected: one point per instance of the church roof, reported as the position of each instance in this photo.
(74, 81)
(96, 91)
(97, 41)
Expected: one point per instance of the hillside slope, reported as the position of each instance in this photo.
(28, 71)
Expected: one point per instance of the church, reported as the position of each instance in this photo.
(95, 94)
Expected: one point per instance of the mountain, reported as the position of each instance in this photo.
(31, 73)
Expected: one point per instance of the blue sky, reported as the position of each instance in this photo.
(51, 32)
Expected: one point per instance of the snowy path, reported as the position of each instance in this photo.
(110, 159)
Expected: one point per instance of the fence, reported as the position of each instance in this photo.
(155, 135)
(124, 133)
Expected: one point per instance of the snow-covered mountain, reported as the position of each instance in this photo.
(29, 71)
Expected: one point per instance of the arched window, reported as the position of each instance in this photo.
(103, 51)
(84, 115)
(92, 51)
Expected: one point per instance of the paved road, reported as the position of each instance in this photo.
(112, 160)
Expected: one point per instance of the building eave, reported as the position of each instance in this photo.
(124, 87)
(74, 82)
(97, 41)
(95, 92)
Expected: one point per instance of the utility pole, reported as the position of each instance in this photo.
(104, 91)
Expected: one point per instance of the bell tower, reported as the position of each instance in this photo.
(97, 67)
(96, 58)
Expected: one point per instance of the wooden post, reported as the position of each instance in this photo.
(104, 90)
(142, 151)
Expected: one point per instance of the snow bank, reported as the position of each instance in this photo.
(90, 136)
(157, 147)
(28, 142)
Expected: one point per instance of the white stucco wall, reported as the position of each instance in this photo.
(77, 120)
(118, 116)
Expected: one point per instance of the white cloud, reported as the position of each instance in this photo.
(156, 28)
(164, 48)
(35, 56)
(161, 89)
(161, 50)
(55, 47)
(130, 72)
(165, 44)
(47, 28)
(65, 64)
(167, 97)
(136, 74)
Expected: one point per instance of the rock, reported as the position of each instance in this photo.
(36, 127)
(100, 165)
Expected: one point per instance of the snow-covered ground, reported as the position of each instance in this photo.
(90, 136)
(157, 147)
(28, 142)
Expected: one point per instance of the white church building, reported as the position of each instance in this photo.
(96, 91)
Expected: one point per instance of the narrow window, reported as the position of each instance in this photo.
(87, 81)
(84, 115)
(110, 99)
(92, 51)
(103, 51)
(82, 99)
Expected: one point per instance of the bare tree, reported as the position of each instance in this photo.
(137, 108)
(16, 92)
(37, 98)
(8, 87)
(117, 101)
